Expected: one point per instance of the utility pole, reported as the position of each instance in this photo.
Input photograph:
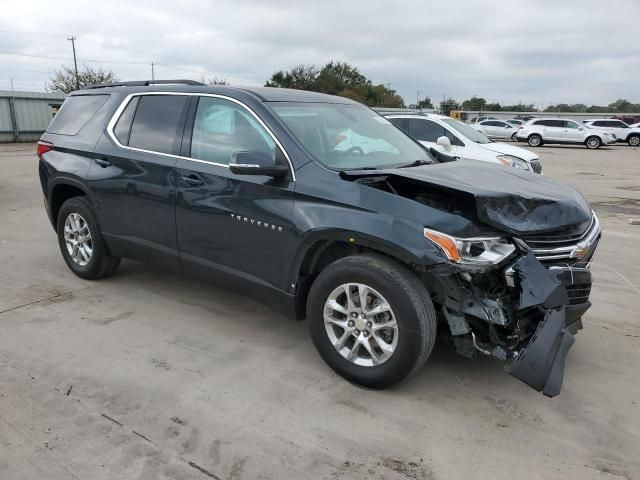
(72, 39)
(153, 77)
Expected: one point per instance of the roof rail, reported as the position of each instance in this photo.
(144, 83)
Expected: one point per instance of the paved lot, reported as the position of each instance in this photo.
(148, 375)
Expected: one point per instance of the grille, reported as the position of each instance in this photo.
(536, 166)
(578, 293)
(568, 247)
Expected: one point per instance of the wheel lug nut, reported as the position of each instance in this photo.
(350, 323)
(369, 324)
(357, 332)
(366, 334)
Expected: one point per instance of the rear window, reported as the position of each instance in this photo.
(75, 112)
(156, 121)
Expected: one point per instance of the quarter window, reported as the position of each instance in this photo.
(123, 127)
(156, 121)
(75, 112)
(222, 128)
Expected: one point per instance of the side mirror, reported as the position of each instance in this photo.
(444, 142)
(254, 162)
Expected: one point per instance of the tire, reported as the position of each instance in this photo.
(633, 140)
(409, 303)
(78, 211)
(514, 138)
(593, 142)
(534, 140)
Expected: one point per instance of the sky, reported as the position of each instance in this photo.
(534, 51)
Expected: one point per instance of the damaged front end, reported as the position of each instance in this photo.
(524, 310)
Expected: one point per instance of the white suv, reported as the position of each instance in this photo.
(539, 131)
(457, 139)
(622, 131)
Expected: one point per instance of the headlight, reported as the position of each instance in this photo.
(471, 251)
(515, 162)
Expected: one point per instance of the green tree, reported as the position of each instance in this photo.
(337, 78)
(424, 103)
(64, 80)
(474, 103)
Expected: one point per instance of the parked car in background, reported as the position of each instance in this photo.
(635, 125)
(454, 138)
(481, 119)
(628, 119)
(380, 249)
(539, 131)
(515, 121)
(622, 131)
(496, 129)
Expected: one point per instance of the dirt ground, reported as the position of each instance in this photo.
(149, 375)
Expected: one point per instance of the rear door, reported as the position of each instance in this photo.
(551, 129)
(133, 176)
(226, 223)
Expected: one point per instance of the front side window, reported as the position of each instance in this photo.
(347, 136)
(570, 124)
(156, 121)
(222, 128)
(425, 130)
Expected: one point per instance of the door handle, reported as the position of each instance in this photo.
(191, 180)
(103, 162)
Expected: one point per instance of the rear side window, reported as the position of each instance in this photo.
(598, 124)
(75, 112)
(401, 123)
(551, 123)
(123, 127)
(156, 121)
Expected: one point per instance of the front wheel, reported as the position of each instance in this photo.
(371, 320)
(514, 138)
(593, 143)
(634, 140)
(534, 140)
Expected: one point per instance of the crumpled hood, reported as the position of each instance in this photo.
(507, 149)
(510, 200)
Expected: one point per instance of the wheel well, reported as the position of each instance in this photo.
(60, 194)
(318, 257)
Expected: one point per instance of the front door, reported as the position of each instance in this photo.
(231, 226)
(572, 132)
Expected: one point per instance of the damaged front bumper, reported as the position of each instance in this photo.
(531, 323)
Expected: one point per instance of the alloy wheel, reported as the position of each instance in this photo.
(593, 142)
(360, 324)
(634, 141)
(77, 238)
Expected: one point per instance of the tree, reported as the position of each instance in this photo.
(64, 80)
(474, 103)
(336, 78)
(424, 103)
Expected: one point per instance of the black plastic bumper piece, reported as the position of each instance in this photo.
(541, 363)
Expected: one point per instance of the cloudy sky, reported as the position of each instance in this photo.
(535, 51)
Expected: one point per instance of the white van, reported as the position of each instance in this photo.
(458, 139)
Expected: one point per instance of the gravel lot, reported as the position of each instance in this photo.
(149, 375)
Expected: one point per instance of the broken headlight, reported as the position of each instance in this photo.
(471, 251)
(515, 162)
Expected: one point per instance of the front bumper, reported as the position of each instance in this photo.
(540, 364)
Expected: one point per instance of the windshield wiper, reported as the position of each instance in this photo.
(417, 163)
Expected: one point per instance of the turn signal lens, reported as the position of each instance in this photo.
(446, 243)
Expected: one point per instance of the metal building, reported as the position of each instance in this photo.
(25, 115)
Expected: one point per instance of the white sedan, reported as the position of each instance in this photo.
(496, 129)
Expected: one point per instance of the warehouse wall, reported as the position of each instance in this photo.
(24, 116)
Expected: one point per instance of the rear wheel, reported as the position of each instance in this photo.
(371, 320)
(514, 138)
(81, 242)
(534, 140)
(593, 143)
(634, 140)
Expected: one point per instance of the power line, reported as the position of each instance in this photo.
(86, 60)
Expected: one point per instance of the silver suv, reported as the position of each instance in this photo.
(539, 131)
(622, 131)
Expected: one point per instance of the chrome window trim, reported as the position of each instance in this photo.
(116, 116)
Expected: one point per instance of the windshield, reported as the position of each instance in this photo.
(346, 137)
(466, 131)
